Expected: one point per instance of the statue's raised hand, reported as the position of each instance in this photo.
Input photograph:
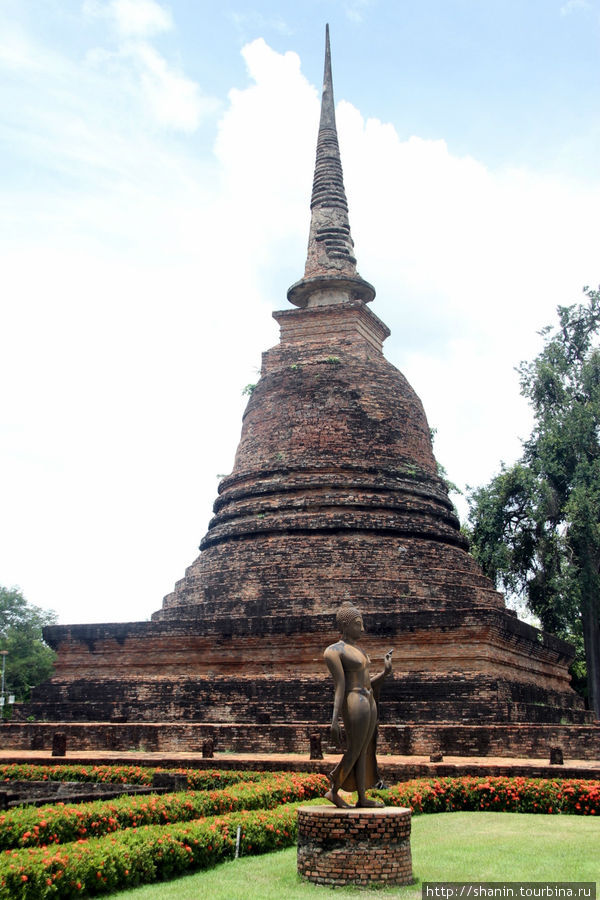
(387, 662)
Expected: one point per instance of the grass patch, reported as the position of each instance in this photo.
(461, 846)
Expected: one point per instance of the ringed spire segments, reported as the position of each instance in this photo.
(330, 274)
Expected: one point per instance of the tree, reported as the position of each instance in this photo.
(535, 528)
(29, 660)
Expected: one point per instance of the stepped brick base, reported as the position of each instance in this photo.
(423, 739)
(462, 665)
(354, 846)
(334, 495)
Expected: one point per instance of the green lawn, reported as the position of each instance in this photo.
(462, 846)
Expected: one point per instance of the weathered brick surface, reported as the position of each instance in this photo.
(404, 739)
(450, 665)
(333, 496)
(347, 326)
(354, 846)
(418, 697)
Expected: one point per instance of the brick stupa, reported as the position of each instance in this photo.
(334, 496)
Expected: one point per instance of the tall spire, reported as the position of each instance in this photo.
(330, 275)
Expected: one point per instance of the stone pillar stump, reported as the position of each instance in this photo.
(354, 846)
(59, 743)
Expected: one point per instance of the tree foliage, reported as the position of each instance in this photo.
(535, 528)
(29, 660)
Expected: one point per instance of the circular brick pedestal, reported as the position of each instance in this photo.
(354, 846)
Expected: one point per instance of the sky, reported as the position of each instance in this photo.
(155, 169)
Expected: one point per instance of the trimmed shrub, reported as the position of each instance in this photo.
(139, 856)
(198, 779)
(133, 850)
(526, 795)
(60, 823)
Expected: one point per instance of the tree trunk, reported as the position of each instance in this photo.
(591, 642)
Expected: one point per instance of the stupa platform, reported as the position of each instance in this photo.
(466, 682)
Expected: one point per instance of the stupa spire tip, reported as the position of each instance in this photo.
(330, 274)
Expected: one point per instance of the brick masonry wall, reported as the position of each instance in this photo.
(334, 458)
(295, 644)
(334, 496)
(520, 740)
(351, 326)
(269, 574)
(418, 697)
(354, 846)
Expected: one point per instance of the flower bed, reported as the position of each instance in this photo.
(525, 795)
(131, 850)
(198, 779)
(60, 823)
(139, 856)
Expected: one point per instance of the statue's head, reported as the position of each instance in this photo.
(346, 615)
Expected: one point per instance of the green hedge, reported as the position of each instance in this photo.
(139, 856)
(141, 853)
(61, 823)
(527, 795)
(198, 779)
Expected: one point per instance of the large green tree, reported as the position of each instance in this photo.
(29, 660)
(535, 528)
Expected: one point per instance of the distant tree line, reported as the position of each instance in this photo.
(29, 660)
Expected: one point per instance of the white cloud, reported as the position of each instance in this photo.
(174, 99)
(572, 6)
(141, 18)
(171, 98)
(268, 172)
(16, 51)
(255, 21)
(20, 53)
(355, 9)
(132, 18)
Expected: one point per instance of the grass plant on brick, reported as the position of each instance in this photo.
(61, 823)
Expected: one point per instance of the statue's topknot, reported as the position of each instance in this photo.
(346, 614)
